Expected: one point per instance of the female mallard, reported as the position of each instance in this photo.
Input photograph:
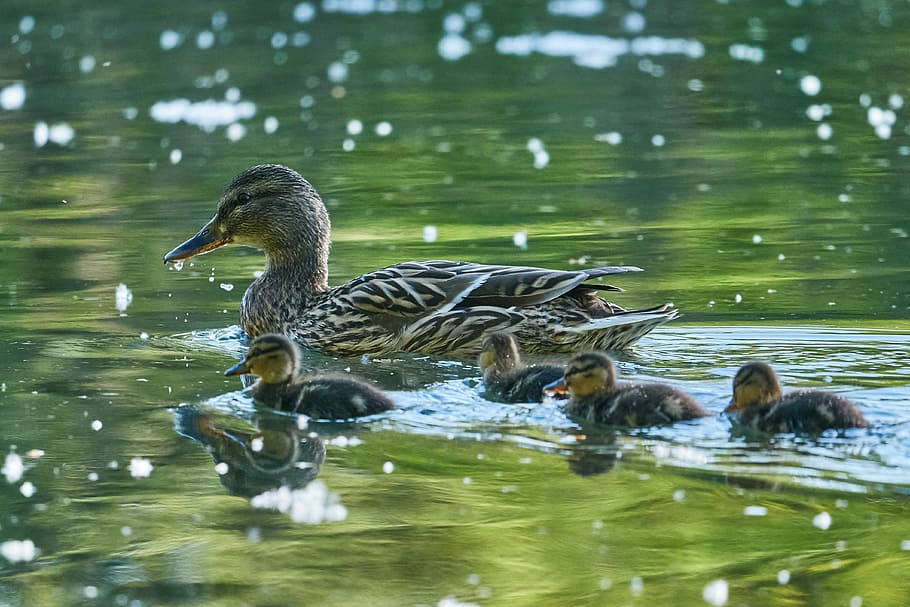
(596, 396)
(506, 378)
(275, 358)
(433, 307)
(761, 404)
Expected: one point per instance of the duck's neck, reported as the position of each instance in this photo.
(301, 263)
(293, 276)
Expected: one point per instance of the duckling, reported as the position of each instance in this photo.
(275, 359)
(504, 375)
(433, 307)
(761, 404)
(596, 396)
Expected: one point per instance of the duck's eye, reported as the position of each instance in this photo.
(243, 197)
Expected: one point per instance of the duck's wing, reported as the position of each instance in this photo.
(508, 286)
(417, 288)
(409, 290)
(456, 331)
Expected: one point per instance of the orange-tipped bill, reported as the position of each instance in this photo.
(203, 242)
(557, 388)
(732, 406)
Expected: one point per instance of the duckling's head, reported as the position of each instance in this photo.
(268, 206)
(755, 384)
(586, 374)
(499, 351)
(272, 357)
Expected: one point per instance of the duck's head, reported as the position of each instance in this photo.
(272, 357)
(755, 384)
(498, 350)
(268, 206)
(586, 374)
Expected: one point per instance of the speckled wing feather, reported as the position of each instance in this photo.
(519, 286)
(409, 290)
(456, 330)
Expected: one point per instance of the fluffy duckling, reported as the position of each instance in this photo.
(275, 359)
(596, 396)
(506, 378)
(761, 404)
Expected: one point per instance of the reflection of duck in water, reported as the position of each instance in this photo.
(506, 378)
(591, 462)
(268, 453)
(275, 359)
(432, 307)
(596, 396)
(760, 403)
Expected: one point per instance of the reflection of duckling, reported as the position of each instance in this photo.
(760, 403)
(274, 358)
(264, 453)
(504, 375)
(595, 395)
(434, 307)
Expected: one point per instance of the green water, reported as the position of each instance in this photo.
(775, 220)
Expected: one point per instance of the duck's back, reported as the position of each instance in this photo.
(637, 405)
(524, 385)
(339, 397)
(809, 411)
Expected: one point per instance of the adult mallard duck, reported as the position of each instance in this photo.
(433, 307)
(760, 403)
(275, 359)
(596, 396)
(506, 378)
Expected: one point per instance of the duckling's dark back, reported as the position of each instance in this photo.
(339, 397)
(636, 405)
(804, 411)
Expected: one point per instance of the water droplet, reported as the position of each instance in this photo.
(716, 592)
(822, 520)
(384, 129)
(810, 85)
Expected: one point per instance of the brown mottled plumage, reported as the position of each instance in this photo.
(506, 378)
(274, 358)
(761, 404)
(433, 307)
(595, 395)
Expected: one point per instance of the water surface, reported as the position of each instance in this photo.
(751, 157)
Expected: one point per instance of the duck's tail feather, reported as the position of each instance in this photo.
(618, 331)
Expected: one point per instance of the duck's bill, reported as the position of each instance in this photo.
(239, 369)
(203, 242)
(732, 406)
(556, 388)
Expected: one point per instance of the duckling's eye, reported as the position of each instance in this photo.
(244, 197)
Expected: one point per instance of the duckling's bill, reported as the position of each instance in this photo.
(556, 388)
(204, 241)
(239, 369)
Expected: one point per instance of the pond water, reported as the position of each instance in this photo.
(752, 157)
